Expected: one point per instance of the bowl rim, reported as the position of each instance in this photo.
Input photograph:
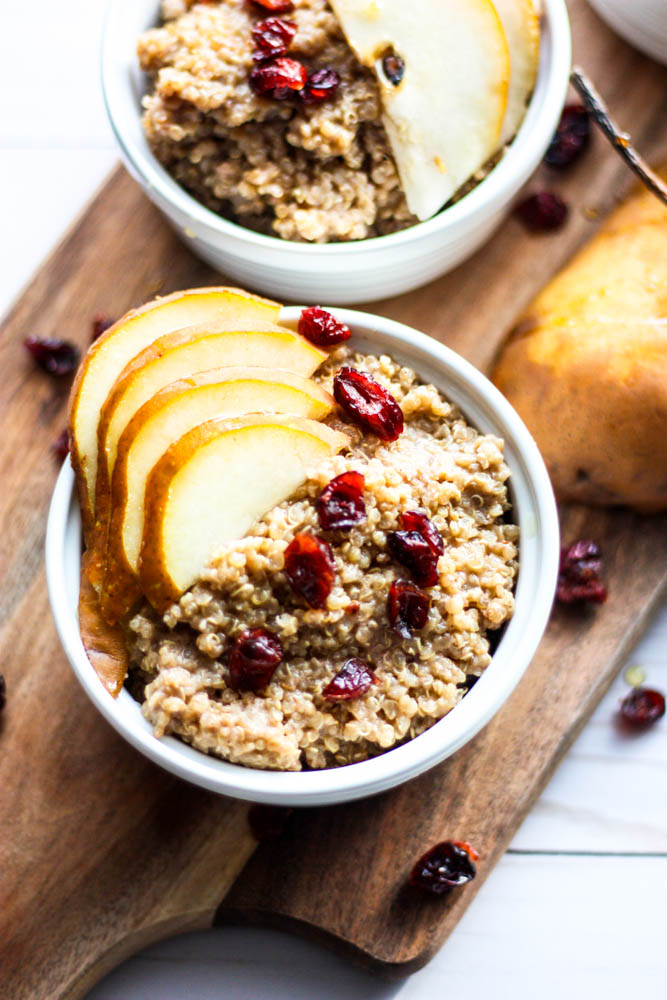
(510, 173)
(538, 521)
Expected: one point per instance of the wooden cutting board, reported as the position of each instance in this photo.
(101, 852)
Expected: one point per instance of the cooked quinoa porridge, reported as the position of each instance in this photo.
(307, 172)
(440, 466)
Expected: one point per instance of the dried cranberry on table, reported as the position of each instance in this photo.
(542, 212)
(579, 579)
(268, 822)
(321, 86)
(272, 38)
(368, 403)
(352, 680)
(417, 546)
(443, 867)
(341, 504)
(60, 446)
(571, 139)
(53, 355)
(309, 566)
(275, 6)
(253, 659)
(642, 707)
(278, 78)
(407, 608)
(321, 328)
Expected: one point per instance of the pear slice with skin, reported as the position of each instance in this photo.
(175, 356)
(165, 418)
(443, 118)
(213, 484)
(522, 31)
(107, 357)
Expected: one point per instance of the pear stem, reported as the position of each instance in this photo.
(618, 139)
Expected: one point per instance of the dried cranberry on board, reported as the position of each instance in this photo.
(253, 659)
(368, 403)
(579, 579)
(278, 78)
(407, 608)
(542, 212)
(272, 38)
(53, 355)
(268, 822)
(99, 324)
(352, 680)
(321, 328)
(571, 139)
(60, 446)
(443, 867)
(3, 693)
(321, 86)
(309, 566)
(642, 707)
(341, 504)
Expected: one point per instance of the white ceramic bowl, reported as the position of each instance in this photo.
(642, 23)
(340, 273)
(534, 507)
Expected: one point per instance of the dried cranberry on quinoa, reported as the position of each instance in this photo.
(272, 38)
(275, 6)
(321, 328)
(309, 567)
(352, 680)
(321, 86)
(253, 659)
(341, 504)
(278, 78)
(417, 545)
(368, 403)
(407, 608)
(443, 867)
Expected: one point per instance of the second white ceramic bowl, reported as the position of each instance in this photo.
(534, 509)
(340, 273)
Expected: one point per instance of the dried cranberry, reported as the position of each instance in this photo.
(321, 86)
(542, 212)
(53, 355)
(272, 38)
(368, 403)
(3, 693)
(393, 67)
(278, 78)
(99, 324)
(413, 551)
(642, 707)
(418, 520)
(407, 608)
(60, 446)
(353, 679)
(253, 659)
(443, 867)
(341, 504)
(268, 822)
(309, 565)
(321, 328)
(571, 139)
(275, 6)
(579, 578)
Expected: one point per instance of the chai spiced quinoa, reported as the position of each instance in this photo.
(303, 171)
(409, 670)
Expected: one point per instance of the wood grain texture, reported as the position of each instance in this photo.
(100, 851)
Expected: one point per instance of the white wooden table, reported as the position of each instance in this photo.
(578, 904)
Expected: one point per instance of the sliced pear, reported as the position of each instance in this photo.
(522, 31)
(120, 343)
(213, 484)
(443, 119)
(159, 423)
